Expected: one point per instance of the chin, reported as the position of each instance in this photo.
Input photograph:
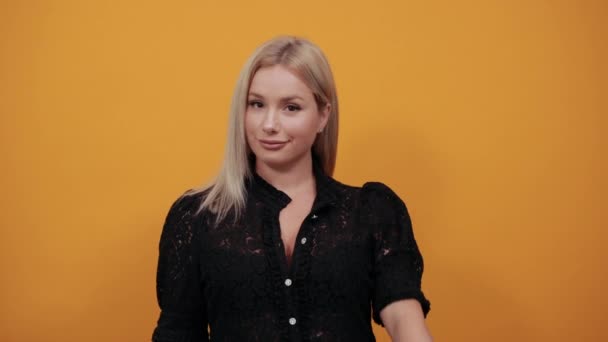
(276, 160)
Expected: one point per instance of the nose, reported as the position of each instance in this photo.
(270, 123)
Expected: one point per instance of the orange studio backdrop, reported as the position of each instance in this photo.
(487, 117)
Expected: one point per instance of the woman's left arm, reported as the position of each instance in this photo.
(404, 321)
(398, 302)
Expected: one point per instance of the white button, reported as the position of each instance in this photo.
(287, 282)
(314, 216)
(303, 241)
(292, 321)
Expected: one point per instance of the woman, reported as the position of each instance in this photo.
(275, 249)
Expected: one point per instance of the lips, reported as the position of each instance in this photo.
(272, 145)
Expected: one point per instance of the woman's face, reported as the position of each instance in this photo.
(282, 119)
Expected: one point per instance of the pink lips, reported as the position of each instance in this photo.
(272, 144)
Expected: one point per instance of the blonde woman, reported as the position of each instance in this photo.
(275, 249)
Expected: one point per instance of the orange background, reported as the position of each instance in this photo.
(487, 117)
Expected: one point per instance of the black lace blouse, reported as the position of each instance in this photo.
(354, 254)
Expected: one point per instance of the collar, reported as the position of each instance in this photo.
(276, 199)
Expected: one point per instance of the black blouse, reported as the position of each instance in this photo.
(354, 254)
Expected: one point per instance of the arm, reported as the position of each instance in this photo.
(178, 280)
(404, 321)
(398, 302)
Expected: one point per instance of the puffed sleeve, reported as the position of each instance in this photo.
(397, 261)
(178, 286)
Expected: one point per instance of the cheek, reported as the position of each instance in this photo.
(250, 124)
(250, 130)
(304, 127)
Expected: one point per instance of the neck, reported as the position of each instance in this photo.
(291, 179)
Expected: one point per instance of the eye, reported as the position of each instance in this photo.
(293, 107)
(256, 104)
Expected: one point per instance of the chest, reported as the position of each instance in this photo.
(243, 266)
(331, 237)
(291, 219)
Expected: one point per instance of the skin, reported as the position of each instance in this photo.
(404, 321)
(281, 108)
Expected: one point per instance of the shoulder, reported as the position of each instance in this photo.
(372, 197)
(185, 208)
(380, 193)
(372, 191)
(380, 203)
(188, 202)
(378, 189)
(341, 188)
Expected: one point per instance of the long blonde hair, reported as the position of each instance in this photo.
(227, 191)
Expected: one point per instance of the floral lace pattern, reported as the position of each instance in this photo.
(355, 253)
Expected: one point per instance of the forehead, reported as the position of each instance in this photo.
(278, 81)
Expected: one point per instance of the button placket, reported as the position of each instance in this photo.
(288, 282)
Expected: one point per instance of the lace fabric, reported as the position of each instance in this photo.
(355, 253)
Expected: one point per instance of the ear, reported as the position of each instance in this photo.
(324, 113)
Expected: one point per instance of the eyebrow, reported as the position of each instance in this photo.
(284, 99)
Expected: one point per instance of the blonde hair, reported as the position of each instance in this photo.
(227, 191)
